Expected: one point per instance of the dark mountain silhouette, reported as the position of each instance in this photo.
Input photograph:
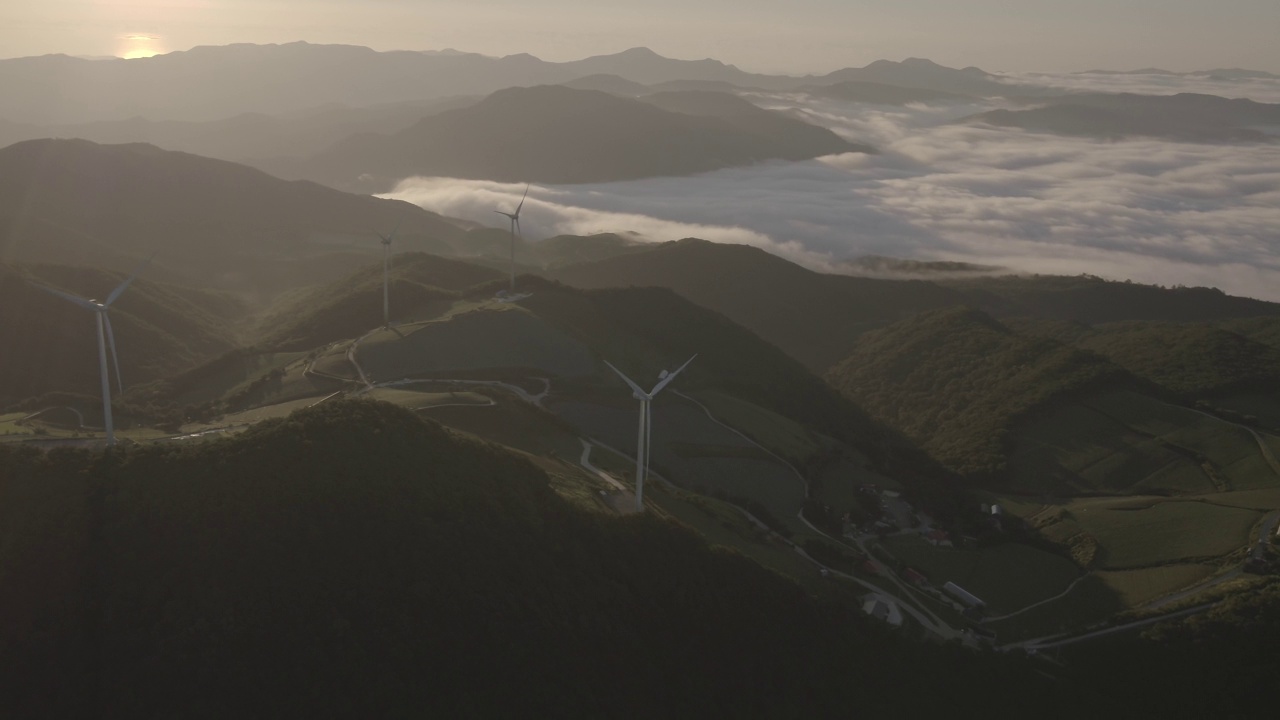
(559, 134)
(924, 74)
(1185, 117)
(213, 222)
(208, 83)
(883, 94)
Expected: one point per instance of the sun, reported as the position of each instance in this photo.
(133, 47)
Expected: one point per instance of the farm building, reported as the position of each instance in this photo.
(882, 608)
(964, 596)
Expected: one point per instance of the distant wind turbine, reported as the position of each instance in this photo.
(105, 337)
(386, 264)
(646, 423)
(515, 228)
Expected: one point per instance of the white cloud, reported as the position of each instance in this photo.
(1142, 209)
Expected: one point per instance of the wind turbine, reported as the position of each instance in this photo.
(646, 423)
(104, 329)
(515, 228)
(386, 264)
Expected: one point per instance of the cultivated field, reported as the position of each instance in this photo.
(1144, 532)
(1138, 587)
(1007, 577)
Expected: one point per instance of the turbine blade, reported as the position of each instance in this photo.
(627, 380)
(516, 220)
(67, 296)
(115, 359)
(672, 376)
(513, 217)
(522, 197)
(121, 288)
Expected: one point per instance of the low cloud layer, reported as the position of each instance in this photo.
(1148, 210)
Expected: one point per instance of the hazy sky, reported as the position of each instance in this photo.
(761, 35)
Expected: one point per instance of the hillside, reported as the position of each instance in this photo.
(812, 316)
(956, 381)
(1193, 360)
(244, 136)
(817, 317)
(217, 223)
(557, 134)
(50, 345)
(351, 306)
(1186, 117)
(356, 559)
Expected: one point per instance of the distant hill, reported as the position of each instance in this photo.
(1185, 117)
(244, 136)
(51, 345)
(214, 223)
(350, 306)
(814, 317)
(210, 83)
(562, 135)
(817, 317)
(883, 94)
(922, 74)
(1218, 73)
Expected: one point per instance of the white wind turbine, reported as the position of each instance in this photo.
(515, 228)
(105, 337)
(386, 265)
(646, 423)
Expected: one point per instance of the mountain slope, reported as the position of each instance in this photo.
(214, 222)
(354, 559)
(883, 94)
(561, 135)
(956, 381)
(51, 345)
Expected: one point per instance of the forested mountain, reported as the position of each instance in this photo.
(557, 134)
(356, 560)
(212, 222)
(956, 381)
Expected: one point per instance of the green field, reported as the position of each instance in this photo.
(416, 400)
(1126, 443)
(515, 424)
(1007, 577)
(1138, 587)
(1143, 532)
(1089, 601)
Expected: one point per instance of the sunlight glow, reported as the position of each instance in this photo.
(132, 47)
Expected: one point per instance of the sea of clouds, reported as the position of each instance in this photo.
(1143, 209)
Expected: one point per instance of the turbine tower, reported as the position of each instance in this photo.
(515, 228)
(386, 264)
(645, 432)
(105, 337)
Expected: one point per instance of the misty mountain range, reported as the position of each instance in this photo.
(557, 134)
(210, 83)
(1185, 117)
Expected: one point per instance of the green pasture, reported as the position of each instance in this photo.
(1139, 587)
(1089, 601)
(1007, 577)
(1124, 443)
(1143, 532)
